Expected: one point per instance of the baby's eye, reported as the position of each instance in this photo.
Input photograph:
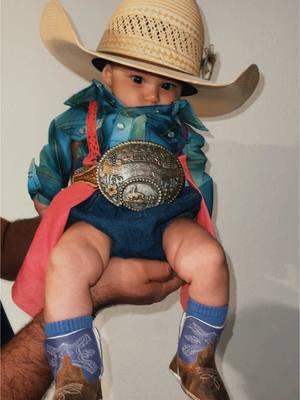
(168, 85)
(137, 79)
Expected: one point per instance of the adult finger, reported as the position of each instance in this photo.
(159, 271)
(163, 289)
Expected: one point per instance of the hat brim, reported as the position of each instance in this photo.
(211, 99)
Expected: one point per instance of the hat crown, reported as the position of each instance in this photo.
(167, 33)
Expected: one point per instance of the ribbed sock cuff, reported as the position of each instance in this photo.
(65, 326)
(215, 316)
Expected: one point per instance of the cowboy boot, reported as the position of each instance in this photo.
(194, 364)
(72, 385)
(76, 362)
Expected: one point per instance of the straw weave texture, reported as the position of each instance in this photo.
(168, 33)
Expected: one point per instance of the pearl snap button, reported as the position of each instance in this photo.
(120, 125)
(171, 134)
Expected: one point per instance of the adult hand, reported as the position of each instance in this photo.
(134, 281)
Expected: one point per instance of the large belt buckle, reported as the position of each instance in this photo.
(139, 175)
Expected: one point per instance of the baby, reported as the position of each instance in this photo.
(132, 148)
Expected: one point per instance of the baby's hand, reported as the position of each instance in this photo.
(40, 207)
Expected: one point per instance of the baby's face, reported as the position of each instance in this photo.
(135, 88)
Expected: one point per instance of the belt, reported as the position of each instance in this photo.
(135, 174)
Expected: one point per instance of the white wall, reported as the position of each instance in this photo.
(254, 160)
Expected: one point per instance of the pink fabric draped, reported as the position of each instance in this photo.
(203, 218)
(29, 288)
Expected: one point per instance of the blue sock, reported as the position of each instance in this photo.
(202, 327)
(76, 339)
(58, 328)
(210, 315)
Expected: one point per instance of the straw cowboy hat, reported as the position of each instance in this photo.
(162, 37)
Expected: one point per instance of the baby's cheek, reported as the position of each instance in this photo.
(165, 100)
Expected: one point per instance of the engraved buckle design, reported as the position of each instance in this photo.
(139, 175)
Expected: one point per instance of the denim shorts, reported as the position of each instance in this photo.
(136, 234)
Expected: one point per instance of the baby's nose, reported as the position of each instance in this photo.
(152, 95)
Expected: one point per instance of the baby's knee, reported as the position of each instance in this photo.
(206, 261)
(61, 261)
(78, 260)
(212, 265)
(212, 253)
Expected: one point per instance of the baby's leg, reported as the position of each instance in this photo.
(200, 261)
(75, 264)
(72, 345)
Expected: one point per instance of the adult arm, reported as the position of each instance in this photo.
(25, 372)
(15, 240)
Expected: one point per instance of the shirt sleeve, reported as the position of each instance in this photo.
(196, 161)
(53, 172)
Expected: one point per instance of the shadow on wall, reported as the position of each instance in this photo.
(266, 352)
(260, 341)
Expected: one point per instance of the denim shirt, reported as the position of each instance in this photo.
(115, 123)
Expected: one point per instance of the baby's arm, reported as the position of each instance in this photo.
(53, 172)
(40, 207)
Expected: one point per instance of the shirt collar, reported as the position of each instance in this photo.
(109, 103)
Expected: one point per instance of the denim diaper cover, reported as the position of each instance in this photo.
(136, 234)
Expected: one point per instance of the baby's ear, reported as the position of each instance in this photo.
(107, 74)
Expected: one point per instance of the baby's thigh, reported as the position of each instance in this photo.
(82, 251)
(189, 248)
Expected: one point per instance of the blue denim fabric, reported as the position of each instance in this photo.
(115, 123)
(135, 234)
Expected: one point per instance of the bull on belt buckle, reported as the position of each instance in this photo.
(139, 175)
